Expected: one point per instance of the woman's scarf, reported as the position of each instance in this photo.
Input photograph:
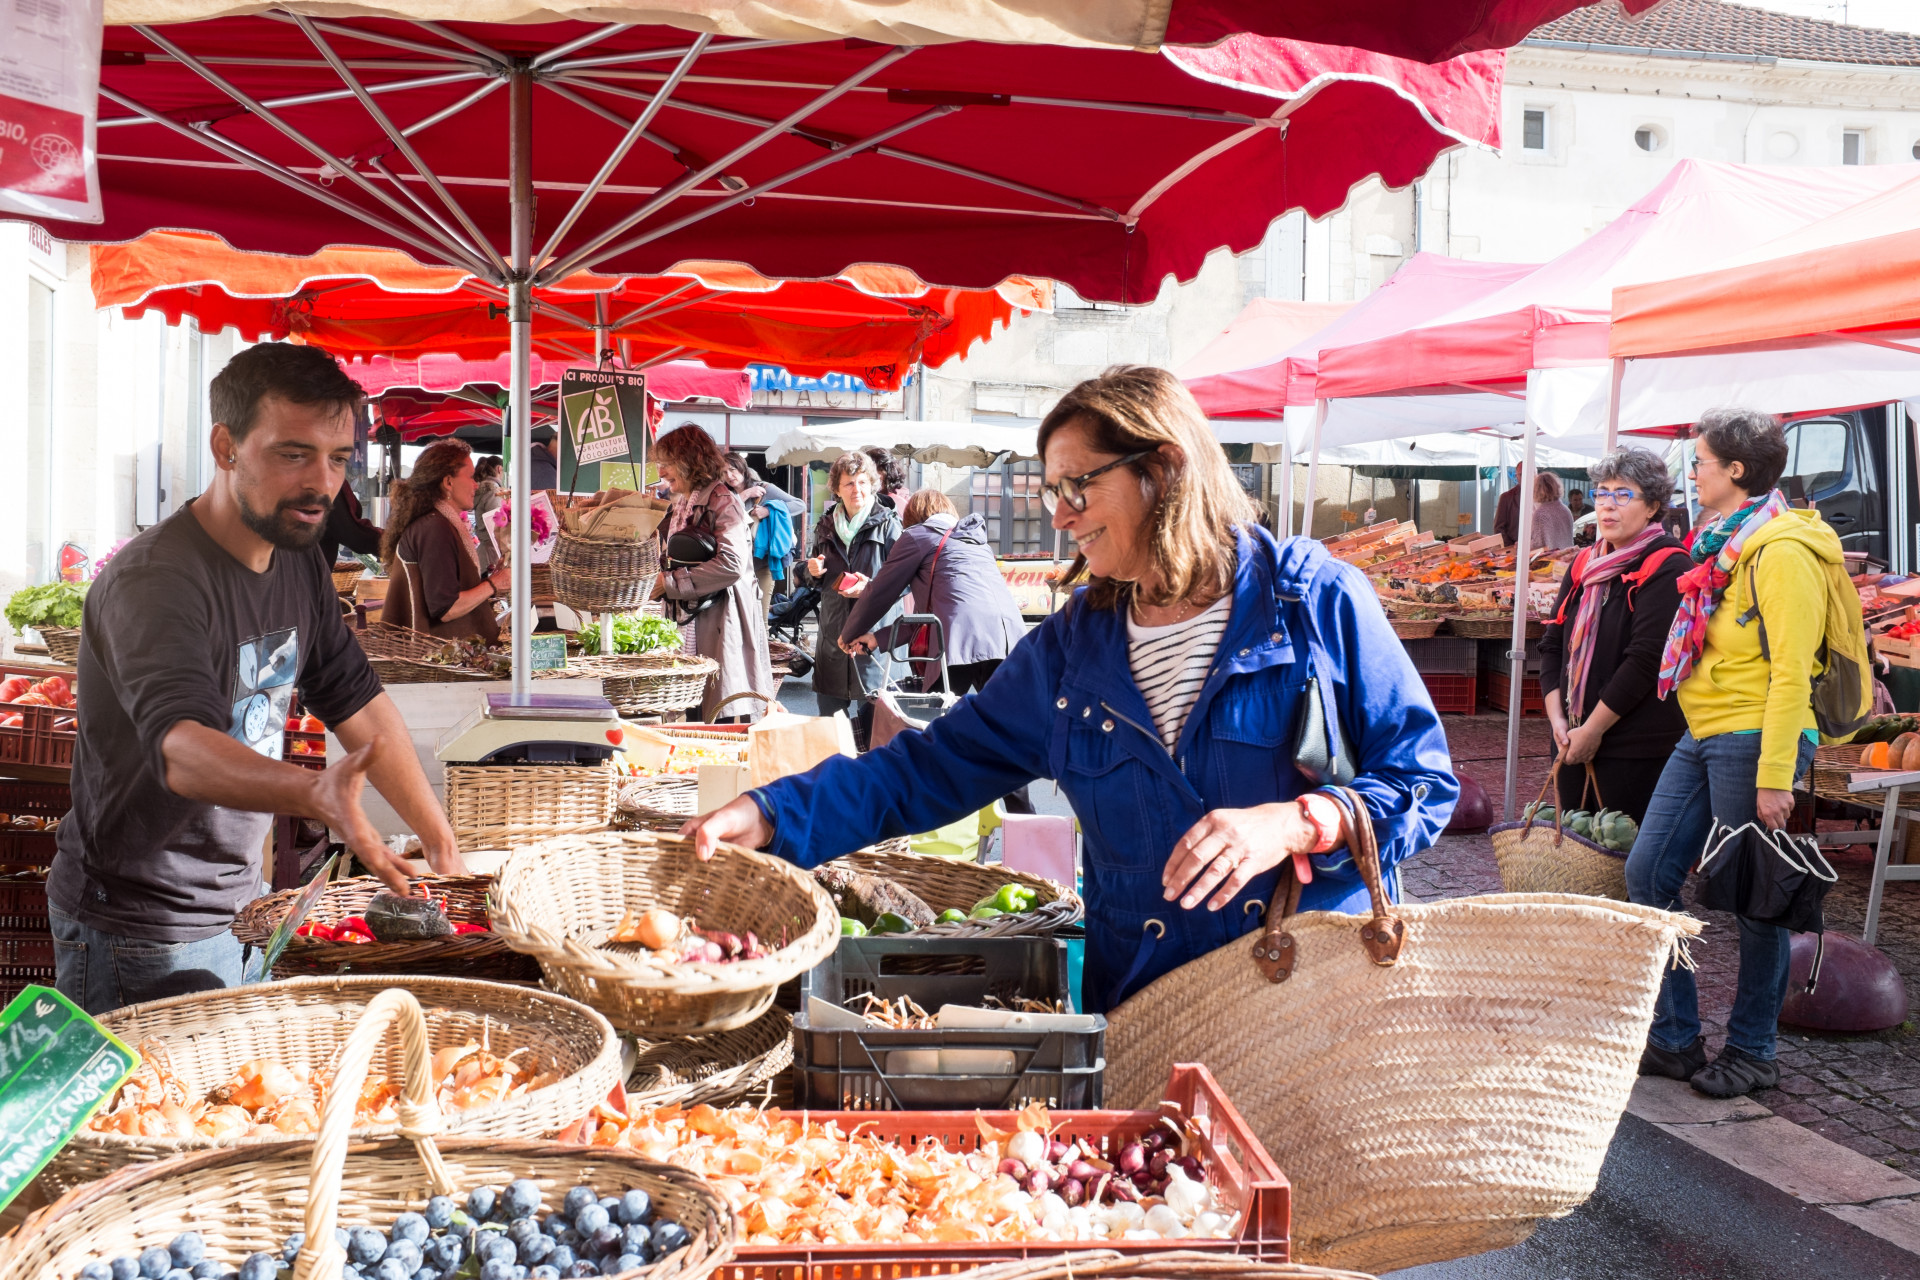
(685, 507)
(1597, 570)
(849, 527)
(458, 519)
(1715, 551)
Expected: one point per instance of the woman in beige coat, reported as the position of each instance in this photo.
(731, 629)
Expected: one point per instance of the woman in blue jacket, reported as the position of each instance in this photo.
(1169, 700)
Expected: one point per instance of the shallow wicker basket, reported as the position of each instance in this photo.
(558, 900)
(502, 806)
(1833, 767)
(248, 1199)
(466, 955)
(597, 575)
(63, 644)
(719, 1069)
(1183, 1264)
(645, 683)
(1415, 628)
(1491, 626)
(345, 575)
(208, 1035)
(944, 883)
(401, 655)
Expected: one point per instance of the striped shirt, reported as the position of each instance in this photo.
(1170, 663)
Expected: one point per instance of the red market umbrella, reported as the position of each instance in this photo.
(669, 383)
(872, 323)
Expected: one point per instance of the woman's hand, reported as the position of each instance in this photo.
(501, 579)
(860, 581)
(817, 566)
(1229, 847)
(737, 822)
(861, 644)
(1557, 719)
(1582, 744)
(1773, 807)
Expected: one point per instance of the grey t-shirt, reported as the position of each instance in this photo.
(177, 629)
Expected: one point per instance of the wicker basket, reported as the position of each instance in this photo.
(657, 804)
(249, 1199)
(209, 1035)
(466, 955)
(944, 883)
(1182, 1264)
(502, 806)
(1415, 628)
(596, 575)
(63, 644)
(558, 901)
(645, 683)
(345, 575)
(1537, 857)
(401, 655)
(1833, 767)
(1491, 626)
(718, 1069)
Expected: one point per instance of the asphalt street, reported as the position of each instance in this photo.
(1666, 1211)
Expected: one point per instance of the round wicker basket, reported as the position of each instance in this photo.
(208, 1035)
(401, 655)
(718, 1069)
(944, 883)
(645, 683)
(466, 955)
(597, 575)
(500, 806)
(248, 1199)
(1491, 626)
(559, 900)
(345, 575)
(1415, 628)
(1181, 1264)
(63, 644)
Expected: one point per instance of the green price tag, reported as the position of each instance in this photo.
(57, 1066)
(283, 932)
(549, 649)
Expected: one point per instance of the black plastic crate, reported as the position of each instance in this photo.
(849, 1070)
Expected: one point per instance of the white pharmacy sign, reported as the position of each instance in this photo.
(49, 103)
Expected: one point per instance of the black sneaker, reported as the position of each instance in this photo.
(1675, 1064)
(1735, 1072)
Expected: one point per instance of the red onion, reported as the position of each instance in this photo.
(1014, 1169)
(1190, 1165)
(1084, 1171)
(1143, 1181)
(1154, 1139)
(1161, 1159)
(1121, 1189)
(1039, 1182)
(1057, 1151)
(1074, 1192)
(1133, 1158)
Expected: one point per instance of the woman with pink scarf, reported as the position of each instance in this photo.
(1600, 657)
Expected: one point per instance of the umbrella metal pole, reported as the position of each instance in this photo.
(1522, 590)
(1313, 469)
(520, 327)
(1285, 512)
(600, 341)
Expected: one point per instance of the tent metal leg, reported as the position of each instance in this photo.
(1615, 375)
(520, 327)
(1517, 655)
(1313, 469)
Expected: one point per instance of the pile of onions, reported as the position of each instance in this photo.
(1153, 1189)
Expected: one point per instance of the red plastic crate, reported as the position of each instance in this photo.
(29, 949)
(1237, 1165)
(1532, 702)
(1454, 693)
(23, 906)
(43, 799)
(45, 736)
(309, 759)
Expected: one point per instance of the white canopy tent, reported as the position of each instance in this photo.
(953, 444)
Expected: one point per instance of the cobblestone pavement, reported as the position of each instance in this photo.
(1861, 1091)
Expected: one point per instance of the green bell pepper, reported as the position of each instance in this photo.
(952, 915)
(888, 922)
(1011, 899)
(850, 928)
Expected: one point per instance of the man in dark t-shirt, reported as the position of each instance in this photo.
(194, 640)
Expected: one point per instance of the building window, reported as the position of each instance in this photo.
(1650, 137)
(1533, 129)
(1008, 496)
(1853, 147)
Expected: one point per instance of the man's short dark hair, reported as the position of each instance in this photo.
(1749, 437)
(300, 375)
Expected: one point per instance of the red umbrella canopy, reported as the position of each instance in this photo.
(630, 149)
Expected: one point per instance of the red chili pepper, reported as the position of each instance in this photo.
(315, 929)
(355, 925)
(470, 928)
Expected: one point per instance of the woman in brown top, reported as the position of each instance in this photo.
(431, 553)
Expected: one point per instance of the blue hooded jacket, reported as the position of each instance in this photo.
(1064, 706)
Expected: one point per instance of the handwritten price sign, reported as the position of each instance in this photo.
(57, 1066)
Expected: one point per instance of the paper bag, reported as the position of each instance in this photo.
(720, 784)
(784, 744)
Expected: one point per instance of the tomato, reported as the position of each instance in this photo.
(293, 724)
(13, 721)
(311, 724)
(13, 686)
(33, 700)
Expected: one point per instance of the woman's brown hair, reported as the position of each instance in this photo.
(415, 496)
(1197, 503)
(696, 454)
(924, 505)
(850, 464)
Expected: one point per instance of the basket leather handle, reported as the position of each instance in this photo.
(1559, 810)
(1276, 951)
(320, 1257)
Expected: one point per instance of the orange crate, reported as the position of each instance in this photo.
(1454, 693)
(1237, 1166)
(1532, 701)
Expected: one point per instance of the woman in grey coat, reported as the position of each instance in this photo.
(954, 575)
(853, 537)
(732, 630)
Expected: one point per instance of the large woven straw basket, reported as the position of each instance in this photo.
(401, 655)
(646, 683)
(1435, 1080)
(944, 883)
(1538, 857)
(345, 575)
(719, 1069)
(1182, 1264)
(208, 1035)
(466, 955)
(245, 1200)
(502, 806)
(599, 575)
(559, 900)
(63, 644)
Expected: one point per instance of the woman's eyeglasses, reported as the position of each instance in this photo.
(1614, 497)
(1072, 490)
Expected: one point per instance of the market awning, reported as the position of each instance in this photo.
(872, 323)
(668, 383)
(954, 444)
(1425, 30)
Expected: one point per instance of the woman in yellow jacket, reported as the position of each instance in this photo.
(1750, 728)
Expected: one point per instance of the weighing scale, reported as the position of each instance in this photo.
(536, 728)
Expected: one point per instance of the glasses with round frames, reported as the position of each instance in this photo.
(1072, 490)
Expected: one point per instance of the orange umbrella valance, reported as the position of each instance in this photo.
(872, 321)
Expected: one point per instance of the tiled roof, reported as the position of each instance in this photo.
(1716, 27)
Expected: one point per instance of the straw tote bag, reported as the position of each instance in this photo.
(1537, 858)
(1435, 1079)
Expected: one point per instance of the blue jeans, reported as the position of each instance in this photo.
(102, 972)
(1708, 779)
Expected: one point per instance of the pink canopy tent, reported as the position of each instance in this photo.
(963, 162)
(1235, 375)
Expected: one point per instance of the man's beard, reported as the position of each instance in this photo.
(281, 529)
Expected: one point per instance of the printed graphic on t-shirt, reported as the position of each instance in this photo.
(264, 673)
